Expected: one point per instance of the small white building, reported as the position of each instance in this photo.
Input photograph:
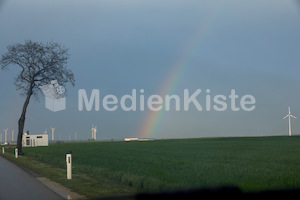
(138, 139)
(131, 139)
(34, 140)
(146, 139)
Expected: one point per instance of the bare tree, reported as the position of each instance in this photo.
(39, 64)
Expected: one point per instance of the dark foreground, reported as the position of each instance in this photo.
(210, 193)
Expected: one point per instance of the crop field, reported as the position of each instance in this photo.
(251, 164)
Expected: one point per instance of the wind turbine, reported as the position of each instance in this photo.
(289, 116)
(12, 135)
(5, 135)
(52, 129)
(95, 132)
(76, 135)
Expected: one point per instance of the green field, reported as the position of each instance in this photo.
(251, 164)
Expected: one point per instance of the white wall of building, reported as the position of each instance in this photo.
(35, 140)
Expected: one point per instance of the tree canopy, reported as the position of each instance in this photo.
(39, 64)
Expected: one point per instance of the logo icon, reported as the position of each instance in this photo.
(54, 99)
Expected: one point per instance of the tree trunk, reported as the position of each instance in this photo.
(21, 121)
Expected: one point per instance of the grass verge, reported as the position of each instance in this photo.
(81, 183)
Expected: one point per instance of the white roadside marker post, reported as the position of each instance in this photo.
(3, 150)
(16, 152)
(69, 164)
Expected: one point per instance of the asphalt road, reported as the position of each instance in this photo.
(15, 184)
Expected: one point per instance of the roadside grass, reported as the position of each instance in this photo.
(111, 168)
(81, 183)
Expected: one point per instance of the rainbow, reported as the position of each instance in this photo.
(153, 118)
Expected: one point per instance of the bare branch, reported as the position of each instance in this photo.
(39, 64)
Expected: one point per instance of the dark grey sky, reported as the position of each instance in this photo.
(116, 46)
